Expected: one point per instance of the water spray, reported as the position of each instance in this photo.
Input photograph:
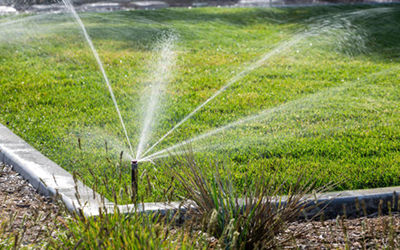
(69, 5)
(294, 40)
(134, 178)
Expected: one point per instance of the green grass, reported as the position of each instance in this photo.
(331, 98)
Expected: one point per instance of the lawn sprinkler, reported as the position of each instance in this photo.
(134, 179)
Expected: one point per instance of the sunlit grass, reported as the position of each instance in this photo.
(327, 108)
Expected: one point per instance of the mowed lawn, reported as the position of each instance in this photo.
(312, 91)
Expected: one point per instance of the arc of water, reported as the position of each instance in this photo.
(212, 132)
(313, 30)
(295, 103)
(162, 77)
(71, 8)
(236, 78)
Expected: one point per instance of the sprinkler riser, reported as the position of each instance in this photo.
(134, 179)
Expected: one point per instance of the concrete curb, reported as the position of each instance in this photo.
(45, 175)
(50, 179)
(355, 203)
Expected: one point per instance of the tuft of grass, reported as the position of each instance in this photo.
(131, 231)
(251, 219)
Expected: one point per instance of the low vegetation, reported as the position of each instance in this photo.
(249, 220)
(221, 222)
(215, 217)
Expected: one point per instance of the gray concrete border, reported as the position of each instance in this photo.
(45, 175)
(50, 179)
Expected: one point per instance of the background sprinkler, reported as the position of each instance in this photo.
(134, 179)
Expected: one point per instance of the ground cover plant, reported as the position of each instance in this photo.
(249, 220)
(313, 89)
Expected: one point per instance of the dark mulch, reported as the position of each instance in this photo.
(23, 211)
(361, 233)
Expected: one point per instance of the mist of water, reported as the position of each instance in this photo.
(292, 106)
(329, 25)
(239, 76)
(23, 30)
(182, 150)
(166, 61)
(13, 21)
(71, 8)
(162, 74)
(97, 138)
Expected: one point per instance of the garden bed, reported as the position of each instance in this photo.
(40, 219)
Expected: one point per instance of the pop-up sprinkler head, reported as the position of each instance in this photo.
(134, 163)
(134, 179)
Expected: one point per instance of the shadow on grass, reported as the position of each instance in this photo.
(378, 26)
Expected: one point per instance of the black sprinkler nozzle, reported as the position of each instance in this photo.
(134, 164)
